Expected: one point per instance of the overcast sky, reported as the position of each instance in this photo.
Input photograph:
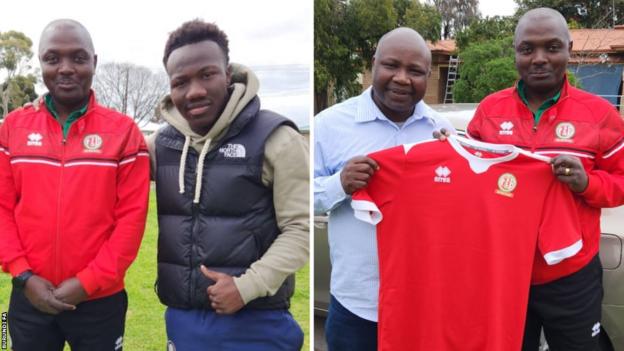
(497, 7)
(266, 32)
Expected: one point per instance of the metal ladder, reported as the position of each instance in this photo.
(451, 78)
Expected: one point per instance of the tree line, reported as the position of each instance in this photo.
(346, 32)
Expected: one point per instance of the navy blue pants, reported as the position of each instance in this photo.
(246, 330)
(345, 331)
(95, 325)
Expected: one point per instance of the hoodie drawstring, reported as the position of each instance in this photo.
(200, 167)
(200, 170)
(187, 142)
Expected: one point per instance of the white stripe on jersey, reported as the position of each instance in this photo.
(614, 150)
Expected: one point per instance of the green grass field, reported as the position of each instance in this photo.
(145, 326)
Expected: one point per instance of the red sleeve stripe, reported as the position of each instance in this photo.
(615, 149)
(91, 163)
(133, 158)
(135, 154)
(99, 163)
(5, 151)
(35, 160)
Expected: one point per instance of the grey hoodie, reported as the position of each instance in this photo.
(285, 169)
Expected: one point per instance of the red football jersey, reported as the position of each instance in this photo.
(457, 230)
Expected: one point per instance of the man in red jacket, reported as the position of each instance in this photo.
(74, 179)
(585, 135)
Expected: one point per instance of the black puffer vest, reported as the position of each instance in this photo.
(234, 223)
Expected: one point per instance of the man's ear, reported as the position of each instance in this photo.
(228, 75)
(94, 61)
(570, 47)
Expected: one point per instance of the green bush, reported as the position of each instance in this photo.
(487, 67)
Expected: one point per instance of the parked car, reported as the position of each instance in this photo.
(611, 245)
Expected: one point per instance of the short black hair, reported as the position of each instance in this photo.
(196, 31)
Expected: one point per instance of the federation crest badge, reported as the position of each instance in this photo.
(565, 132)
(507, 183)
(92, 143)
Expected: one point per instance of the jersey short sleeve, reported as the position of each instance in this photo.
(560, 231)
(368, 202)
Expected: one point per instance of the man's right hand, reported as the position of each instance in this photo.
(441, 135)
(39, 292)
(357, 173)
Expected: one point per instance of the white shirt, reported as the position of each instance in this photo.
(357, 127)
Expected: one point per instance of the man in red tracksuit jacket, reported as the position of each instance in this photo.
(585, 134)
(74, 184)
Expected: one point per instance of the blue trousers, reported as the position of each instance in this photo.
(246, 330)
(345, 331)
(95, 325)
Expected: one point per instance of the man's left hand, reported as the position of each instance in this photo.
(223, 294)
(71, 292)
(570, 170)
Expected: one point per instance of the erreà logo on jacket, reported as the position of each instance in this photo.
(34, 139)
(506, 128)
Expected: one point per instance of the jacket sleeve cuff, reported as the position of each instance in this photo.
(246, 289)
(593, 186)
(88, 281)
(18, 266)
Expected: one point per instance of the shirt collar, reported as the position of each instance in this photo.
(368, 111)
(522, 93)
(72, 116)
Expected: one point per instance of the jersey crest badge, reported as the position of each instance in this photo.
(92, 143)
(507, 183)
(564, 132)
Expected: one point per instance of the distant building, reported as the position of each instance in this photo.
(597, 61)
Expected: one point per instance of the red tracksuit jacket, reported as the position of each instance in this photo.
(74, 207)
(579, 124)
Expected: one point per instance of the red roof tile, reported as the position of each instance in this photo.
(598, 40)
(442, 46)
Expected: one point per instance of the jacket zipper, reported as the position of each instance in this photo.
(534, 143)
(192, 285)
(57, 239)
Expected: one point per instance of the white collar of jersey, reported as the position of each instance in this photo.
(479, 164)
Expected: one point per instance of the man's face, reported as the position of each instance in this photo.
(400, 72)
(67, 65)
(199, 80)
(542, 54)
